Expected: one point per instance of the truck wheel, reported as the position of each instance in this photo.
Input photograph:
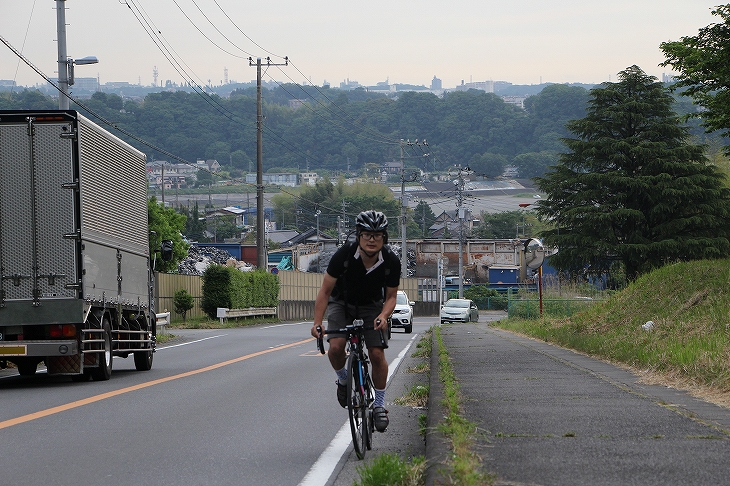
(143, 361)
(104, 371)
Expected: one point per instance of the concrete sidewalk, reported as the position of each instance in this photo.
(549, 416)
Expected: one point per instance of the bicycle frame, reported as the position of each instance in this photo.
(360, 388)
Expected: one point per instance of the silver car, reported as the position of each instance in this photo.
(461, 310)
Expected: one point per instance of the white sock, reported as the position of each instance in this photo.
(379, 398)
(342, 375)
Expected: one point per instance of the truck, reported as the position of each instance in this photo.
(76, 287)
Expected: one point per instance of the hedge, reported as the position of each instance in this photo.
(228, 287)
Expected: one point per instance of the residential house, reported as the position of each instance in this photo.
(448, 223)
(308, 178)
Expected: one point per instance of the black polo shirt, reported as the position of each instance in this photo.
(354, 283)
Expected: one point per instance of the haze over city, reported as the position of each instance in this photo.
(210, 41)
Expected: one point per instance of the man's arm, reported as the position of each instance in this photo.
(320, 304)
(388, 307)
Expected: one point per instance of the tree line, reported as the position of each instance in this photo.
(335, 131)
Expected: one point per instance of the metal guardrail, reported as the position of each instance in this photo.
(223, 313)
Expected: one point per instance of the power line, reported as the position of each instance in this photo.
(203, 33)
(244, 34)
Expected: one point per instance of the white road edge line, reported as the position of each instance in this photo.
(321, 470)
(285, 324)
(189, 342)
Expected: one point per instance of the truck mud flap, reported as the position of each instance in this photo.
(64, 365)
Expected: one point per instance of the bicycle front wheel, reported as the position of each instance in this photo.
(357, 407)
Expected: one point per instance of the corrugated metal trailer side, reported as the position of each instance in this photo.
(74, 258)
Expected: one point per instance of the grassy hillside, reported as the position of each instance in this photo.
(688, 344)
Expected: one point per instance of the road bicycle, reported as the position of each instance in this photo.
(360, 388)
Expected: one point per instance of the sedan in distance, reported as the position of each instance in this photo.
(459, 310)
(403, 313)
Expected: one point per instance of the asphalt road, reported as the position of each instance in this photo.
(257, 406)
(220, 407)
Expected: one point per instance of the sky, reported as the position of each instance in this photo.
(519, 41)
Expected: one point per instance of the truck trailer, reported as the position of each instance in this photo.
(76, 287)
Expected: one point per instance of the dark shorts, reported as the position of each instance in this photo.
(336, 319)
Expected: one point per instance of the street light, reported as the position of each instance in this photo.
(524, 225)
(78, 62)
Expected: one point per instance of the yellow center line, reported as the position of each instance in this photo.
(114, 393)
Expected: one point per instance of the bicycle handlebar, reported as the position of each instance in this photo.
(356, 326)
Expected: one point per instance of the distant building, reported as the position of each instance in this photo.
(436, 84)
(308, 178)
(210, 164)
(86, 84)
(175, 175)
(347, 84)
(487, 86)
(518, 101)
(275, 179)
(117, 84)
(393, 167)
(240, 215)
(447, 223)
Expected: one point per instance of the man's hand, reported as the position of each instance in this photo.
(381, 323)
(316, 330)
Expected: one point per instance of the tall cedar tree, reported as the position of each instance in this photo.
(703, 64)
(632, 188)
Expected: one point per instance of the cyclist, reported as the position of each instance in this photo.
(361, 282)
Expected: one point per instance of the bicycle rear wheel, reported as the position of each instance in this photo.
(357, 407)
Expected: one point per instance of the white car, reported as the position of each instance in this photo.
(402, 315)
(462, 310)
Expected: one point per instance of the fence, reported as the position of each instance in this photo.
(297, 293)
(166, 284)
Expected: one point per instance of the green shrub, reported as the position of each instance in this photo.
(231, 288)
(216, 285)
(183, 302)
(486, 298)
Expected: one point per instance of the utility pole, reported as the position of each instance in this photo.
(63, 103)
(403, 252)
(319, 250)
(163, 183)
(460, 172)
(342, 232)
(260, 223)
(404, 204)
(66, 65)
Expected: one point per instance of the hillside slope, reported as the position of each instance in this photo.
(687, 345)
